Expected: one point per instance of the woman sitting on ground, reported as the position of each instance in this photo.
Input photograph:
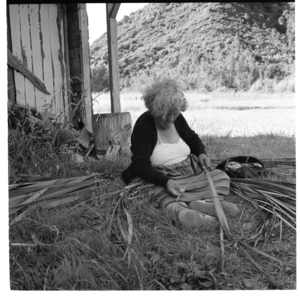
(167, 153)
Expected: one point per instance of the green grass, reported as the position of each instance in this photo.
(85, 252)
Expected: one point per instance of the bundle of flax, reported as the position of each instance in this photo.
(25, 197)
(276, 199)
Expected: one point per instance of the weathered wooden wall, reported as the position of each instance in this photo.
(37, 40)
(11, 91)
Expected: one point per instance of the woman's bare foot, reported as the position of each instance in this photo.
(229, 208)
(193, 219)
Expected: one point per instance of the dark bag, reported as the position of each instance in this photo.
(243, 167)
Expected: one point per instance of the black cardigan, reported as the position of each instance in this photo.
(143, 141)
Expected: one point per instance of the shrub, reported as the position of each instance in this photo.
(100, 78)
(285, 85)
(274, 71)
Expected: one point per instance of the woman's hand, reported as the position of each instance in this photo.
(204, 161)
(173, 188)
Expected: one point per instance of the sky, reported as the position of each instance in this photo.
(97, 17)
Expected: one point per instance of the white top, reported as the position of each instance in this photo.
(169, 153)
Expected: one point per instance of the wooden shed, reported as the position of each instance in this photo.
(49, 69)
(48, 59)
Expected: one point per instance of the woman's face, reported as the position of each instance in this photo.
(164, 124)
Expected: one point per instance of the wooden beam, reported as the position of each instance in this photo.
(26, 51)
(14, 16)
(13, 62)
(67, 57)
(36, 45)
(11, 89)
(85, 66)
(114, 76)
(113, 9)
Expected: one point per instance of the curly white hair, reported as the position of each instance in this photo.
(164, 98)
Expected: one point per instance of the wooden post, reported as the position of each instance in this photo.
(111, 132)
(68, 97)
(112, 39)
(85, 51)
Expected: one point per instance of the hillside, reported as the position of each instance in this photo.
(205, 46)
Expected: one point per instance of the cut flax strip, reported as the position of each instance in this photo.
(23, 214)
(60, 193)
(220, 214)
(217, 203)
(34, 196)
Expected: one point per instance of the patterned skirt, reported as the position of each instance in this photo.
(189, 175)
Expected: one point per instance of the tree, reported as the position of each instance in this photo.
(100, 78)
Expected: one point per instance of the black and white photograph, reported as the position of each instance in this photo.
(150, 146)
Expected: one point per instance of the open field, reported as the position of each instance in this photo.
(241, 114)
(84, 244)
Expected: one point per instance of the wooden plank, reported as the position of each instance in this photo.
(9, 44)
(113, 9)
(46, 55)
(111, 129)
(16, 64)
(66, 51)
(34, 9)
(63, 58)
(85, 54)
(62, 61)
(14, 16)
(55, 48)
(11, 89)
(114, 76)
(11, 94)
(27, 52)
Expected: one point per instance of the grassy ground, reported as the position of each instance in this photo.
(86, 252)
